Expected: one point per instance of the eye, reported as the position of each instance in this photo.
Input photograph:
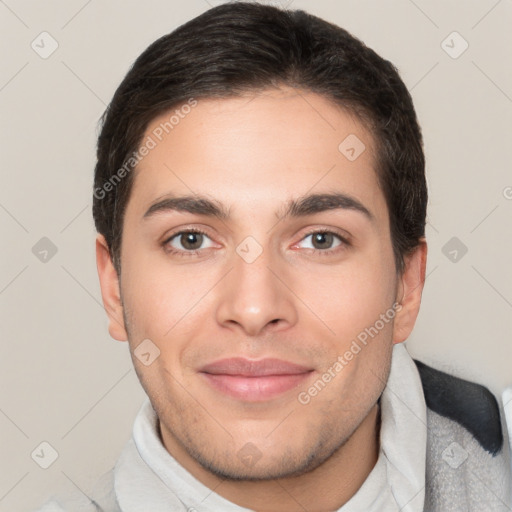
(322, 241)
(188, 241)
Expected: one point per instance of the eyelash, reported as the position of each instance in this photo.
(183, 253)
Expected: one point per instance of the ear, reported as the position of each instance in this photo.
(409, 290)
(110, 291)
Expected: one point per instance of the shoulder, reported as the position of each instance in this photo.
(102, 498)
(468, 462)
(467, 403)
(51, 506)
(56, 505)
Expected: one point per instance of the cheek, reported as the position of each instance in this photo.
(347, 298)
(356, 304)
(166, 304)
(158, 293)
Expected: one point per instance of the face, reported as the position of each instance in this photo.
(256, 289)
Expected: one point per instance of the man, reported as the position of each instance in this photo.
(260, 199)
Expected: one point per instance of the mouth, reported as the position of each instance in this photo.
(254, 381)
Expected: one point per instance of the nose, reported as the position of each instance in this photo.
(255, 297)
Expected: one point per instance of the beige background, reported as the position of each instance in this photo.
(63, 380)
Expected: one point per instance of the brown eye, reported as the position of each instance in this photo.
(188, 242)
(322, 240)
(191, 241)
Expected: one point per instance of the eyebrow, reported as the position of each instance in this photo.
(300, 207)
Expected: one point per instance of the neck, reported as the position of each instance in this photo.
(328, 487)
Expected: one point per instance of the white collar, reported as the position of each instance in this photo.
(147, 477)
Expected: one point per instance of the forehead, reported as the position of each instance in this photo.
(257, 149)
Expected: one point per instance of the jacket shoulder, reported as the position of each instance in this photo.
(469, 404)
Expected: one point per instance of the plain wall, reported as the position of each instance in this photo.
(63, 379)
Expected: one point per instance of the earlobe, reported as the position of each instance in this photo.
(409, 292)
(110, 290)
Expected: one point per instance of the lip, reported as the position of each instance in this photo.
(254, 380)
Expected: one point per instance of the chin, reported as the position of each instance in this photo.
(270, 462)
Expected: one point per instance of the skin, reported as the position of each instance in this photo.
(297, 301)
